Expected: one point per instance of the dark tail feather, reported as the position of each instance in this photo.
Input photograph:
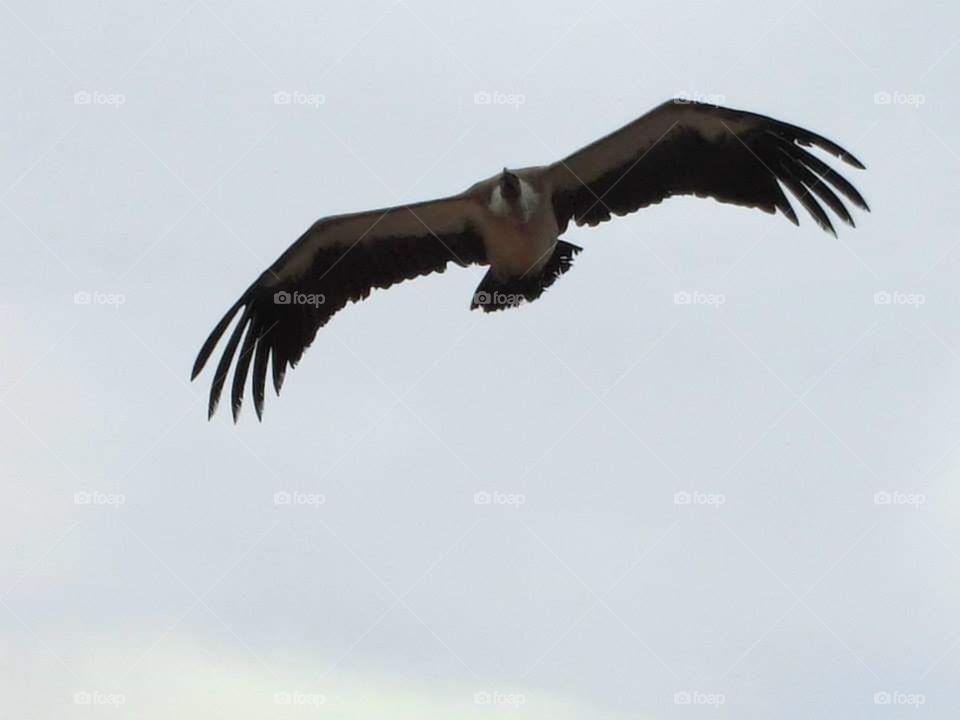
(494, 294)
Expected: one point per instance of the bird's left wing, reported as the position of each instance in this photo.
(688, 148)
(339, 259)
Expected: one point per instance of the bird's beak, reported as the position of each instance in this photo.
(509, 185)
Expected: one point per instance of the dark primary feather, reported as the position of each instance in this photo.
(746, 168)
(280, 331)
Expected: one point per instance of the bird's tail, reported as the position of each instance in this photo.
(494, 294)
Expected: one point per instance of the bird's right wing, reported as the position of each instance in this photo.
(339, 259)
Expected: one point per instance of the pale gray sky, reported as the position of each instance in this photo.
(146, 570)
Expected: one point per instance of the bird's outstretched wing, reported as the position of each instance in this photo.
(337, 260)
(688, 148)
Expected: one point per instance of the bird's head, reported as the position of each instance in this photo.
(509, 186)
(513, 197)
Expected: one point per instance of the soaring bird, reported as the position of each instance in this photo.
(511, 222)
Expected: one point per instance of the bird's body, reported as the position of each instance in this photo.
(512, 222)
(519, 235)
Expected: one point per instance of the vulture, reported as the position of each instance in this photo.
(511, 223)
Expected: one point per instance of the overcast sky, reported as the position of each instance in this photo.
(605, 504)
